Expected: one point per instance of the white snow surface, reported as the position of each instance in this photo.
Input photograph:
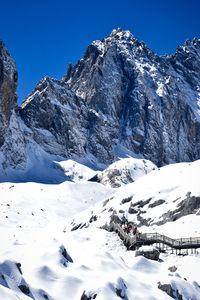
(55, 263)
(76, 171)
(147, 248)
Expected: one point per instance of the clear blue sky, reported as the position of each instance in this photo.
(43, 36)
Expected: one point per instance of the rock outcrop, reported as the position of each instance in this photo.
(124, 171)
(149, 252)
(8, 85)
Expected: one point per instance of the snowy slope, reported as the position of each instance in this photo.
(92, 262)
(41, 258)
(30, 206)
(164, 195)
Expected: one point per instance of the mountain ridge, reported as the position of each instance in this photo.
(119, 95)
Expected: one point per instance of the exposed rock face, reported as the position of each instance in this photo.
(189, 205)
(146, 103)
(167, 288)
(172, 269)
(90, 297)
(173, 293)
(120, 98)
(12, 142)
(13, 152)
(8, 85)
(57, 117)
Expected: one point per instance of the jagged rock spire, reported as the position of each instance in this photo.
(8, 85)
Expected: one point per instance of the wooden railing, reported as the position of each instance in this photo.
(132, 242)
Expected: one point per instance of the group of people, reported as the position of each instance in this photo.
(128, 227)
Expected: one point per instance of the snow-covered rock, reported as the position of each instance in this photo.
(149, 252)
(124, 171)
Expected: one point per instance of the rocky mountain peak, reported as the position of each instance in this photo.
(195, 42)
(42, 90)
(120, 35)
(121, 41)
(190, 47)
(186, 62)
(119, 99)
(127, 85)
(126, 44)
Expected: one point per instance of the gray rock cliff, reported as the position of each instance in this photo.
(148, 104)
(57, 118)
(8, 85)
(120, 98)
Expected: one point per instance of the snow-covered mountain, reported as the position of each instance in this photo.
(62, 179)
(119, 100)
(146, 103)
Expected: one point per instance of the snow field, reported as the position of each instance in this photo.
(41, 258)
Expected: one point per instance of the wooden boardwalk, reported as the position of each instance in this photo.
(162, 242)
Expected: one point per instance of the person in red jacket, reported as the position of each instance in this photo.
(135, 230)
(128, 229)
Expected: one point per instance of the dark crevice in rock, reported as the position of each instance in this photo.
(66, 254)
(25, 289)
